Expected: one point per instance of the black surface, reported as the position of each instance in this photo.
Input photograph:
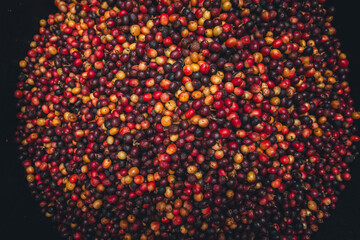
(19, 213)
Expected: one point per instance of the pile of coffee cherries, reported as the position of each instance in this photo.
(186, 119)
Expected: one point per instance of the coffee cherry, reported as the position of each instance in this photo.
(186, 119)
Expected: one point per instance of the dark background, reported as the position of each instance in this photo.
(20, 214)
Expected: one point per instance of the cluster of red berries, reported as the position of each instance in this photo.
(186, 119)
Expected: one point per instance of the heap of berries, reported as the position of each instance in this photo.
(186, 119)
